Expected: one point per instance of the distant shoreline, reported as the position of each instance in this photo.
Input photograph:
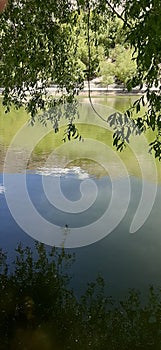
(111, 90)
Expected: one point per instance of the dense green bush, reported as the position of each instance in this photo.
(120, 67)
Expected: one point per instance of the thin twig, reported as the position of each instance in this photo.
(89, 53)
(89, 63)
(118, 14)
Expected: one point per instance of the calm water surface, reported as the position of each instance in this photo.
(38, 158)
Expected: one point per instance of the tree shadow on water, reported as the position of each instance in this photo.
(38, 310)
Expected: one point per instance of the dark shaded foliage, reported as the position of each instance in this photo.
(38, 310)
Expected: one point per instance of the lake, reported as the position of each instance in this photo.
(84, 196)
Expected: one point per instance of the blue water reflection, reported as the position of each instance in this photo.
(125, 260)
(70, 187)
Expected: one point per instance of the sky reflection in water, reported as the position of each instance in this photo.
(125, 260)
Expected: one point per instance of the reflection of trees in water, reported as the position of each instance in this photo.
(38, 310)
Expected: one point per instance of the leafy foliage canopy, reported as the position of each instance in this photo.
(40, 43)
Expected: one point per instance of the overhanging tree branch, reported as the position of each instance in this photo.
(118, 14)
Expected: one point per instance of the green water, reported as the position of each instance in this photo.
(37, 152)
(83, 196)
(42, 141)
